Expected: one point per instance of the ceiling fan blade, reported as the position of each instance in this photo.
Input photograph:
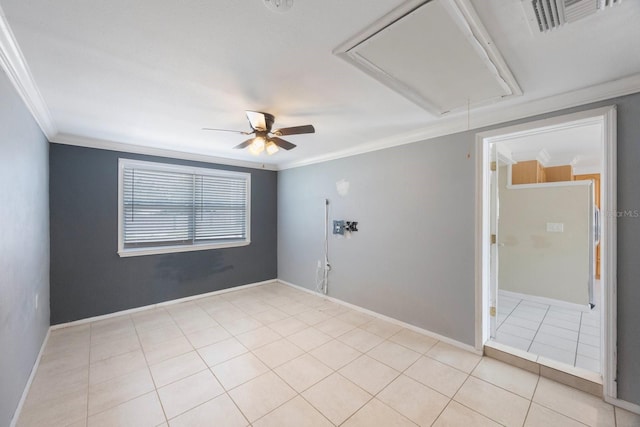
(295, 130)
(257, 120)
(282, 143)
(229, 130)
(244, 144)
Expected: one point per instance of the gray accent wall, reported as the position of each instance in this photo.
(24, 246)
(413, 258)
(88, 278)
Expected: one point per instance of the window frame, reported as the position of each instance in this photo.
(169, 167)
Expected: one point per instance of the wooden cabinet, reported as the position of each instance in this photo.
(532, 172)
(558, 173)
(529, 172)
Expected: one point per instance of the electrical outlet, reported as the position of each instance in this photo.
(338, 227)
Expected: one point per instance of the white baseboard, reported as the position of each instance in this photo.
(545, 300)
(27, 387)
(631, 407)
(160, 304)
(388, 319)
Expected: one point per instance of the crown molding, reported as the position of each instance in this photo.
(503, 156)
(543, 157)
(447, 126)
(17, 70)
(14, 64)
(102, 144)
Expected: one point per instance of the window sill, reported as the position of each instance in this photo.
(124, 253)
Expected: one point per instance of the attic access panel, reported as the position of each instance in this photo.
(435, 53)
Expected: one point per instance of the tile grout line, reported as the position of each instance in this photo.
(146, 362)
(299, 394)
(400, 373)
(508, 316)
(539, 326)
(270, 370)
(361, 406)
(531, 400)
(125, 374)
(510, 311)
(575, 359)
(559, 337)
(305, 352)
(502, 388)
(562, 414)
(208, 368)
(308, 353)
(155, 387)
(442, 411)
(334, 371)
(469, 408)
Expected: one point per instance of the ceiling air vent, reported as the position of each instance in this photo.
(549, 14)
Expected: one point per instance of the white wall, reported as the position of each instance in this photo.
(24, 246)
(537, 262)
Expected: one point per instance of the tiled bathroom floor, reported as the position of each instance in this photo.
(275, 356)
(564, 335)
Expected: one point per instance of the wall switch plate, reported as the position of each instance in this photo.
(338, 227)
(555, 227)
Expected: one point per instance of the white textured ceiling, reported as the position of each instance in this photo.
(154, 72)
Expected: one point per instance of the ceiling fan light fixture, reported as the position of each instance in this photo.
(257, 146)
(272, 148)
(261, 124)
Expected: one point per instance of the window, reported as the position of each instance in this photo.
(171, 208)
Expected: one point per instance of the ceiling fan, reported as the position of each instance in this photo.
(265, 138)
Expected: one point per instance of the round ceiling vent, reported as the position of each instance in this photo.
(278, 5)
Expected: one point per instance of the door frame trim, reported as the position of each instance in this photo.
(607, 116)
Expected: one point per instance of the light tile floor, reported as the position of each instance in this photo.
(568, 336)
(275, 356)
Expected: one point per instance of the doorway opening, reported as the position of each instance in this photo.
(544, 212)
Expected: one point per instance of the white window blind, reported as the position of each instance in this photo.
(220, 208)
(169, 207)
